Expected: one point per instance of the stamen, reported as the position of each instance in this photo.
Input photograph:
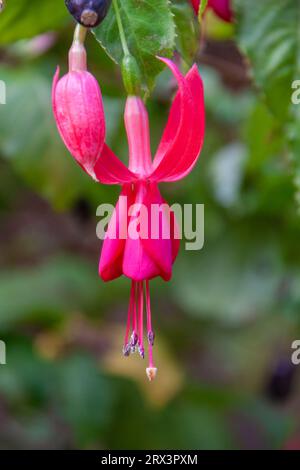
(130, 307)
(151, 338)
(126, 350)
(134, 336)
(136, 319)
(150, 333)
(141, 319)
(134, 340)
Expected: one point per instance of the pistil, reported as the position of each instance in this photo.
(135, 320)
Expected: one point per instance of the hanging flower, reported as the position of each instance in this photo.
(140, 256)
(222, 8)
(78, 110)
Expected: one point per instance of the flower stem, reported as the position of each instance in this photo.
(77, 53)
(79, 34)
(121, 29)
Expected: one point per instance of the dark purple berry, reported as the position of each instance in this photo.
(280, 384)
(88, 13)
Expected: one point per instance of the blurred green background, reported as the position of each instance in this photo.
(226, 321)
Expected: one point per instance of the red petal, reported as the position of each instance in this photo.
(184, 133)
(195, 4)
(111, 259)
(177, 129)
(147, 257)
(222, 8)
(137, 263)
(110, 170)
(175, 237)
(160, 249)
(190, 157)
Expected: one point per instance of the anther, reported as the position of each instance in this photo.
(134, 339)
(126, 350)
(141, 352)
(151, 338)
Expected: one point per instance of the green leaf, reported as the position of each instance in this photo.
(23, 19)
(187, 28)
(149, 29)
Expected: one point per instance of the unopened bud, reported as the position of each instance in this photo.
(78, 110)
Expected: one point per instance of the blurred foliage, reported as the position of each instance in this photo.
(23, 19)
(273, 49)
(231, 312)
(187, 37)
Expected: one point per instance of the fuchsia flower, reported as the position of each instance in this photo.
(144, 258)
(222, 8)
(140, 258)
(78, 110)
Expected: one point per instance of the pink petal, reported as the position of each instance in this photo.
(137, 264)
(146, 257)
(175, 238)
(139, 258)
(110, 170)
(160, 249)
(184, 133)
(111, 259)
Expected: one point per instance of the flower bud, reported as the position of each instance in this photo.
(78, 110)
